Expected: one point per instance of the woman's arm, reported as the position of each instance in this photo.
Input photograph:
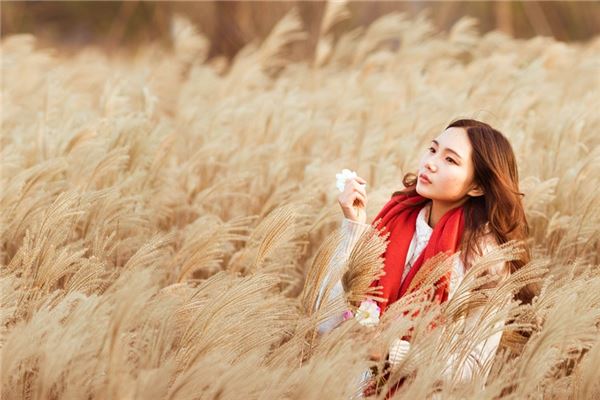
(480, 357)
(351, 232)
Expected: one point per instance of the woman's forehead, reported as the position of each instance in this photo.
(456, 139)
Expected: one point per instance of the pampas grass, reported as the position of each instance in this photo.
(166, 221)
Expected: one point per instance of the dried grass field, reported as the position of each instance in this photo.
(166, 218)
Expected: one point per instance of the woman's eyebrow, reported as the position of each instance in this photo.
(447, 148)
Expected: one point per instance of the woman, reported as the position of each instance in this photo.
(465, 198)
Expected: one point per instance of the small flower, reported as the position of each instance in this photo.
(368, 313)
(344, 176)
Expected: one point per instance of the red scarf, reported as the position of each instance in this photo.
(399, 217)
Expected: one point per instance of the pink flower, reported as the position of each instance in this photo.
(348, 314)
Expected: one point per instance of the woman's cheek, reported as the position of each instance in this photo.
(453, 186)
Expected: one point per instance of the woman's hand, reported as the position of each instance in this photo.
(353, 200)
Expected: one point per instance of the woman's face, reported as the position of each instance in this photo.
(448, 165)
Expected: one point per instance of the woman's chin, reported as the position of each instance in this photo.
(422, 191)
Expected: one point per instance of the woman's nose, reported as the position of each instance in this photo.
(430, 166)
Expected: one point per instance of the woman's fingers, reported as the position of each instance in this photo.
(356, 182)
(359, 187)
(360, 180)
(354, 195)
(352, 187)
(360, 197)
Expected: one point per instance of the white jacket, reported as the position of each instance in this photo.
(352, 231)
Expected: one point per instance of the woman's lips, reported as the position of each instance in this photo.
(424, 179)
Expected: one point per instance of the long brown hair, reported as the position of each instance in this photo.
(495, 170)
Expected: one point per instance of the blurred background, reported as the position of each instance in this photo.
(121, 25)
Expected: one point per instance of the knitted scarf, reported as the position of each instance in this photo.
(399, 217)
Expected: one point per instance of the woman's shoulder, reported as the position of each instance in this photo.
(487, 243)
(487, 238)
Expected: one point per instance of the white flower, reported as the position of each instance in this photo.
(344, 176)
(368, 313)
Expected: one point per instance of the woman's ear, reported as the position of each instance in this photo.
(475, 191)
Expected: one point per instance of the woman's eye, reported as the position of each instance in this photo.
(451, 160)
(432, 150)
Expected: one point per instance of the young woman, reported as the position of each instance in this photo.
(465, 197)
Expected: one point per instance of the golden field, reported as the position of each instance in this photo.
(166, 218)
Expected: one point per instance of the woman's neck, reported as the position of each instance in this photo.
(439, 208)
